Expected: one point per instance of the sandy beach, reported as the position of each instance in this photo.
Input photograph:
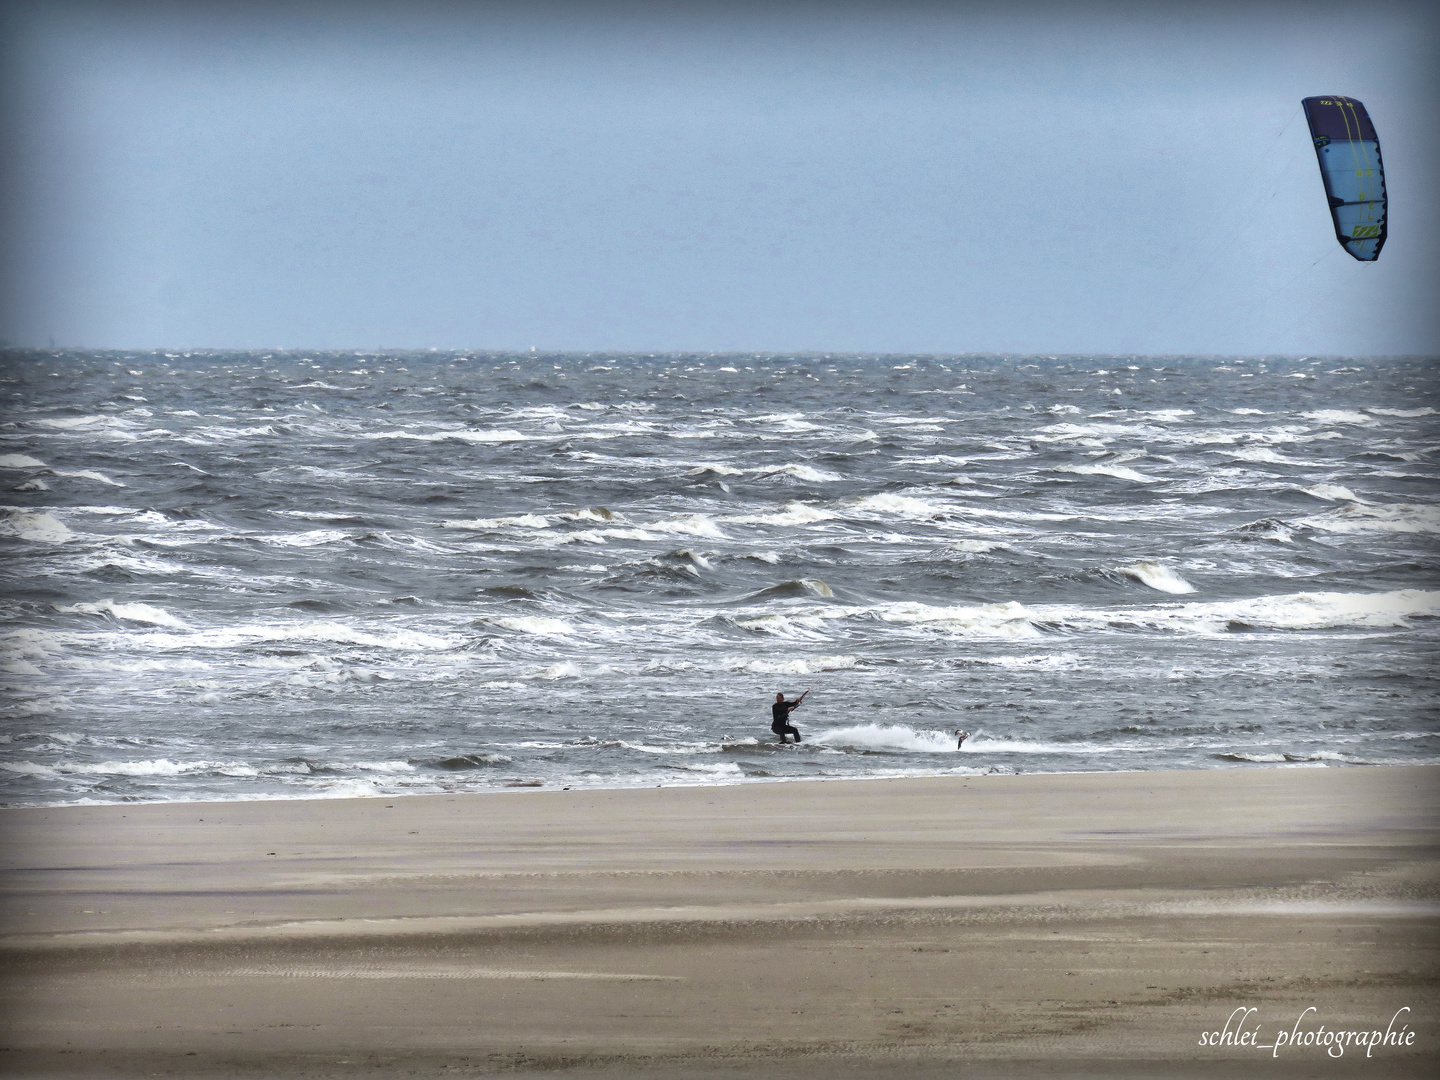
(1091, 924)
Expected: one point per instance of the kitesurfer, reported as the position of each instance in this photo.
(961, 736)
(780, 711)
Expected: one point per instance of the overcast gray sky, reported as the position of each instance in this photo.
(795, 176)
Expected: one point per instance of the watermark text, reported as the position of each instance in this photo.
(1243, 1028)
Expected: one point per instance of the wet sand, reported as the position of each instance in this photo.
(1091, 924)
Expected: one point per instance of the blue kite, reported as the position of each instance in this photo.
(1349, 153)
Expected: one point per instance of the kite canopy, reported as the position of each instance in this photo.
(1349, 153)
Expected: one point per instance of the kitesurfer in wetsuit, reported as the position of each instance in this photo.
(780, 711)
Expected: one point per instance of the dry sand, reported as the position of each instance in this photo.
(1090, 924)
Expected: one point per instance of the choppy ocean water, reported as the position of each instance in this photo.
(272, 575)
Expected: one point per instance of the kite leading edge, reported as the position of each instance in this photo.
(1349, 153)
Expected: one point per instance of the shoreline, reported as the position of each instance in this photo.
(1090, 923)
(531, 788)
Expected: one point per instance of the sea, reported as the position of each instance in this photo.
(283, 574)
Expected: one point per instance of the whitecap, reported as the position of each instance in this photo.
(1169, 415)
(1043, 662)
(801, 627)
(524, 521)
(791, 589)
(795, 513)
(914, 423)
(29, 643)
(1158, 576)
(1262, 454)
(580, 536)
(1007, 620)
(231, 637)
(35, 525)
(1362, 517)
(1259, 759)
(627, 534)
(597, 513)
(597, 536)
(140, 613)
(937, 459)
(44, 707)
(1119, 472)
(381, 766)
(726, 768)
(898, 505)
(893, 737)
(316, 515)
(982, 742)
(462, 434)
(1298, 611)
(1087, 434)
(68, 423)
(1332, 493)
(532, 624)
(977, 547)
(619, 430)
(802, 666)
(689, 525)
(20, 461)
(151, 767)
(695, 557)
(497, 435)
(306, 539)
(88, 474)
(1322, 755)
(1406, 414)
(797, 472)
(672, 748)
(778, 418)
(1337, 416)
(223, 434)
